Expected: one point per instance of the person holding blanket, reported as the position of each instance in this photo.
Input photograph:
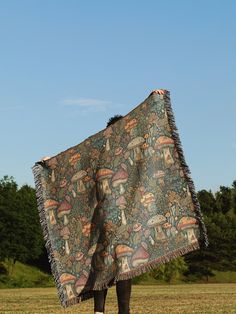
(152, 165)
(123, 287)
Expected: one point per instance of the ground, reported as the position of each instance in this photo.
(184, 298)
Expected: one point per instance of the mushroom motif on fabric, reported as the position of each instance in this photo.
(188, 224)
(81, 282)
(102, 177)
(121, 203)
(118, 150)
(52, 163)
(121, 176)
(107, 133)
(147, 200)
(73, 160)
(127, 156)
(67, 280)
(79, 256)
(122, 253)
(164, 143)
(130, 126)
(108, 259)
(167, 226)
(147, 234)
(63, 210)
(140, 256)
(136, 144)
(78, 178)
(49, 206)
(160, 175)
(65, 233)
(156, 222)
(118, 156)
(63, 182)
(137, 228)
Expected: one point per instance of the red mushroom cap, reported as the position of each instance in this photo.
(121, 201)
(63, 209)
(137, 226)
(120, 176)
(81, 281)
(140, 256)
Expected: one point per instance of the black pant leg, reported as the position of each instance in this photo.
(123, 291)
(99, 300)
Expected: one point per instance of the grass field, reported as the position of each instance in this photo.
(187, 298)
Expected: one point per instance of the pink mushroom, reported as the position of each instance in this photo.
(137, 228)
(121, 176)
(52, 163)
(140, 256)
(81, 282)
(63, 210)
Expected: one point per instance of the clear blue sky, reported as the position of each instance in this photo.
(66, 67)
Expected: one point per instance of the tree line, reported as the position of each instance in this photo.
(21, 236)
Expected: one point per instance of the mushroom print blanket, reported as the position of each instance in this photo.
(119, 203)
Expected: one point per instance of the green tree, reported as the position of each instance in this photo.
(207, 201)
(31, 229)
(234, 196)
(220, 220)
(171, 271)
(20, 233)
(224, 199)
(8, 214)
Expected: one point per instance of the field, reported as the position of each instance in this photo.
(184, 298)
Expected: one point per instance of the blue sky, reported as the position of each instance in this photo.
(66, 67)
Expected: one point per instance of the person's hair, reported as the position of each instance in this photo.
(114, 119)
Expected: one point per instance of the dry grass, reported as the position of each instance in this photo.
(192, 298)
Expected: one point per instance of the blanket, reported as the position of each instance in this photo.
(119, 203)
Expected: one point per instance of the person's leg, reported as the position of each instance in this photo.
(99, 300)
(123, 292)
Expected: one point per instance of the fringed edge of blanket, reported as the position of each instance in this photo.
(158, 261)
(175, 134)
(36, 169)
(146, 267)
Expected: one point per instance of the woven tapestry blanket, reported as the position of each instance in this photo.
(119, 203)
